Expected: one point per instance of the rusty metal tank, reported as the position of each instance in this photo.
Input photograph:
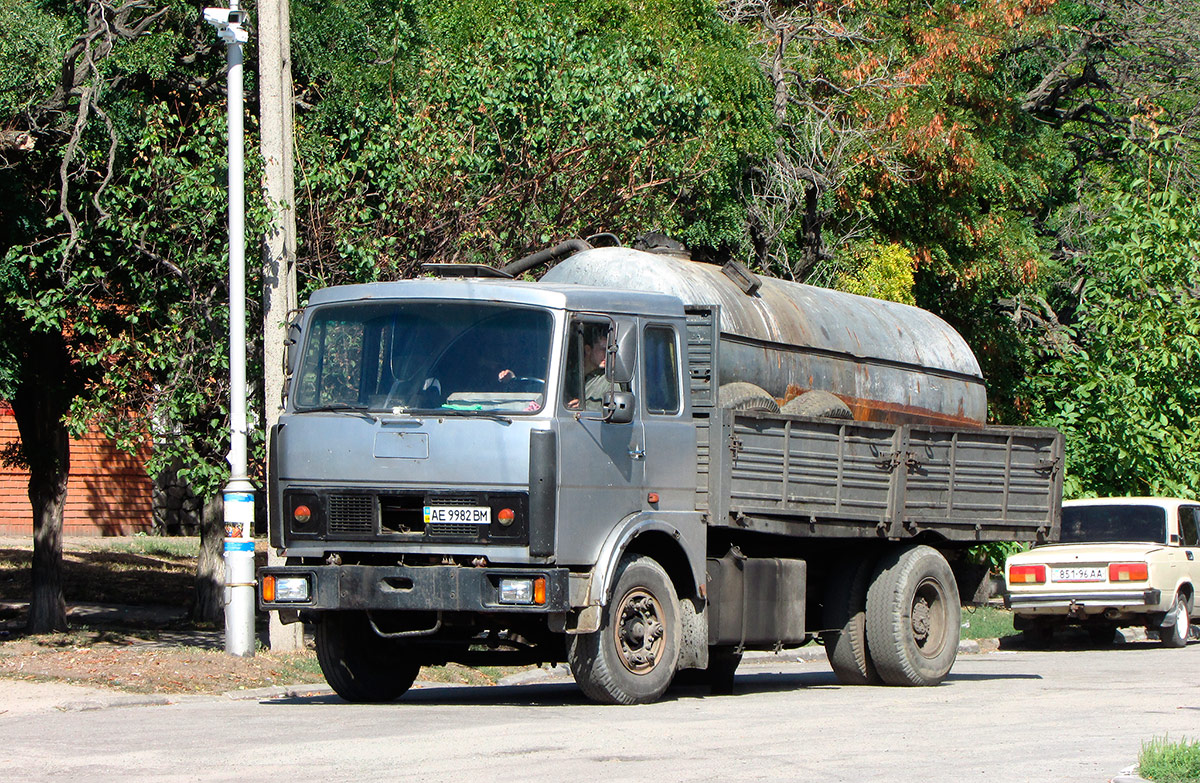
(887, 361)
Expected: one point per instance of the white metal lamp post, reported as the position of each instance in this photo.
(239, 492)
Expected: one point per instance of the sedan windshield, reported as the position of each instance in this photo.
(1096, 524)
(423, 355)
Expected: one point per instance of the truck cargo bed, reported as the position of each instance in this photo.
(807, 477)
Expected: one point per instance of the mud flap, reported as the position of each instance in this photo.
(1169, 618)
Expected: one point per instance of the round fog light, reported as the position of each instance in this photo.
(302, 514)
(506, 516)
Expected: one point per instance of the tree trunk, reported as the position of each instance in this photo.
(48, 495)
(279, 246)
(209, 604)
(39, 406)
(812, 250)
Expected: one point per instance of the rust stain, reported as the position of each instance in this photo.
(890, 413)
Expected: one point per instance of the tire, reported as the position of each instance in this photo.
(1177, 634)
(633, 657)
(817, 403)
(913, 617)
(845, 610)
(358, 664)
(742, 396)
(722, 663)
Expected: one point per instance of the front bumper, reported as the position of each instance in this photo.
(428, 588)
(1089, 603)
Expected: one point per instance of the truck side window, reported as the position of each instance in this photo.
(1188, 533)
(584, 385)
(661, 370)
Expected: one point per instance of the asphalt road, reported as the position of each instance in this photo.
(1057, 716)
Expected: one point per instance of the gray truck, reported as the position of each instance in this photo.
(639, 464)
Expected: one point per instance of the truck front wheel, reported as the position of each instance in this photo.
(913, 617)
(633, 657)
(360, 665)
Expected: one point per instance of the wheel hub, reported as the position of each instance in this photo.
(927, 618)
(920, 620)
(640, 633)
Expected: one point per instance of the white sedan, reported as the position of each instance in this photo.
(1120, 562)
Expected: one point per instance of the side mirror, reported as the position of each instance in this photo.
(289, 344)
(289, 357)
(618, 407)
(622, 354)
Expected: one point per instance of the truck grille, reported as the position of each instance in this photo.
(351, 514)
(449, 529)
(453, 529)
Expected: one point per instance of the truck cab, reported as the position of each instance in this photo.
(456, 457)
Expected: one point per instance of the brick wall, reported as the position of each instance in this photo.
(108, 493)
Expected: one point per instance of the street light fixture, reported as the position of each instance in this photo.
(239, 492)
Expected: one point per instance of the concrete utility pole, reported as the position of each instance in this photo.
(275, 102)
(239, 492)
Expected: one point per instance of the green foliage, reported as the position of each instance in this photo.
(173, 327)
(1125, 388)
(135, 290)
(1164, 761)
(995, 554)
(31, 51)
(530, 123)
(881, 271)
(986, 622)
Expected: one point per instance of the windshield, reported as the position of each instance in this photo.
(423, 355)
(1084, 524)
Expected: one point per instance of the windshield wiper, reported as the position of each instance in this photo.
(474, 412)
(337, 407)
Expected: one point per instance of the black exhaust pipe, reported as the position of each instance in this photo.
(562, 250)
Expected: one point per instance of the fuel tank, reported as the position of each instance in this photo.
(888, 361)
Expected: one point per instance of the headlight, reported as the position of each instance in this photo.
(285, 589)
(516, 591)
(523, 591)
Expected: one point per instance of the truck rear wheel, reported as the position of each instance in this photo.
(845, 611)
(913, 617)
(633, 657)
(742, 396)
(361, 666)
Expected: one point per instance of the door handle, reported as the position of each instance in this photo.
(1191, 555)
(637, 453)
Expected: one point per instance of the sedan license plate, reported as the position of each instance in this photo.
(1078, 574)
(458, 515)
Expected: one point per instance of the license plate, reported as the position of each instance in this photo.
(1078, 574)
(458, 515)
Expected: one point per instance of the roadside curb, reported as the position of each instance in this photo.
(1128, 775)
(107, 702)
(279, 692)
